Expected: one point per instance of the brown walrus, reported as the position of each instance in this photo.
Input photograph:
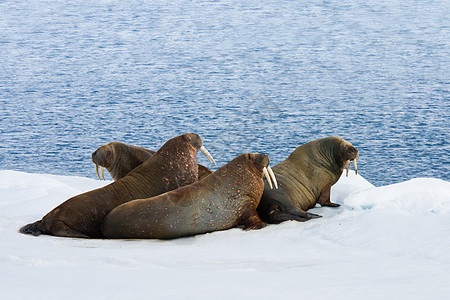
(120, 159)
(172, 166)
(226, 198)
(305, 178)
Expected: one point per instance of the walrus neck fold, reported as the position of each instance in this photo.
(327, 154)
(127, 158)
(334, 163)
(312, 155)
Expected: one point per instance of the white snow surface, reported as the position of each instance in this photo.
(389, 242)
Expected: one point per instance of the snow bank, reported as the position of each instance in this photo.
(383, 242)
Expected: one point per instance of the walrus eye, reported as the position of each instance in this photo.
(108, 152)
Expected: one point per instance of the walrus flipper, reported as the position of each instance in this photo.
(59, 228)
(275, 207)
(300, 216)
(292, 214)
(31, 229)
(324, 197)
(251, 220)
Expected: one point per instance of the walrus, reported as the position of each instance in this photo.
(172, 166)
(119, 159)
(305, 178)
(224, 199)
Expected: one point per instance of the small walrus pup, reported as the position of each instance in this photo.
(172, 166)
(305, 178)
(226, 198)
(120, 159)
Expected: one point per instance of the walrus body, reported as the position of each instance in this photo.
(305, 178)
(224, 199)
(120, 159)
(172, 166)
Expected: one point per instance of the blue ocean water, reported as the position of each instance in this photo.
(248, 76)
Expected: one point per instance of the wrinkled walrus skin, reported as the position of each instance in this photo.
(305, 178)
(224, 199)
(120, 159)
(172, 166)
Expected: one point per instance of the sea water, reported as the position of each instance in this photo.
(248, 76)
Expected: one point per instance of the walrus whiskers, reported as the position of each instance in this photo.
(207, 154)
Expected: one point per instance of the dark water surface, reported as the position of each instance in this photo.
(248, 76)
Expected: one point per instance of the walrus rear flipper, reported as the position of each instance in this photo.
(31, 229)
(324, 197)
(275, 207)
(281, 216)
(59, 228)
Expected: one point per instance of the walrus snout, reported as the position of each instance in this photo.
(352, 153)
(100, 158)
(96, 158)
(261, 161)
(196, 141)
(349, 153)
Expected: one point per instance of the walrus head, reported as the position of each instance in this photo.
(196, 141)
(104, 157)
(119, 159)
(261, 162)
(348, 153)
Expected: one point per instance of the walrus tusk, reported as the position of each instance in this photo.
(102, 171)
(207, 154)
(96, 171)
(272, 175)
(355, 165)
(266, 173)
(347, 165)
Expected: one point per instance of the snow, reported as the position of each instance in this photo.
(386, 242)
